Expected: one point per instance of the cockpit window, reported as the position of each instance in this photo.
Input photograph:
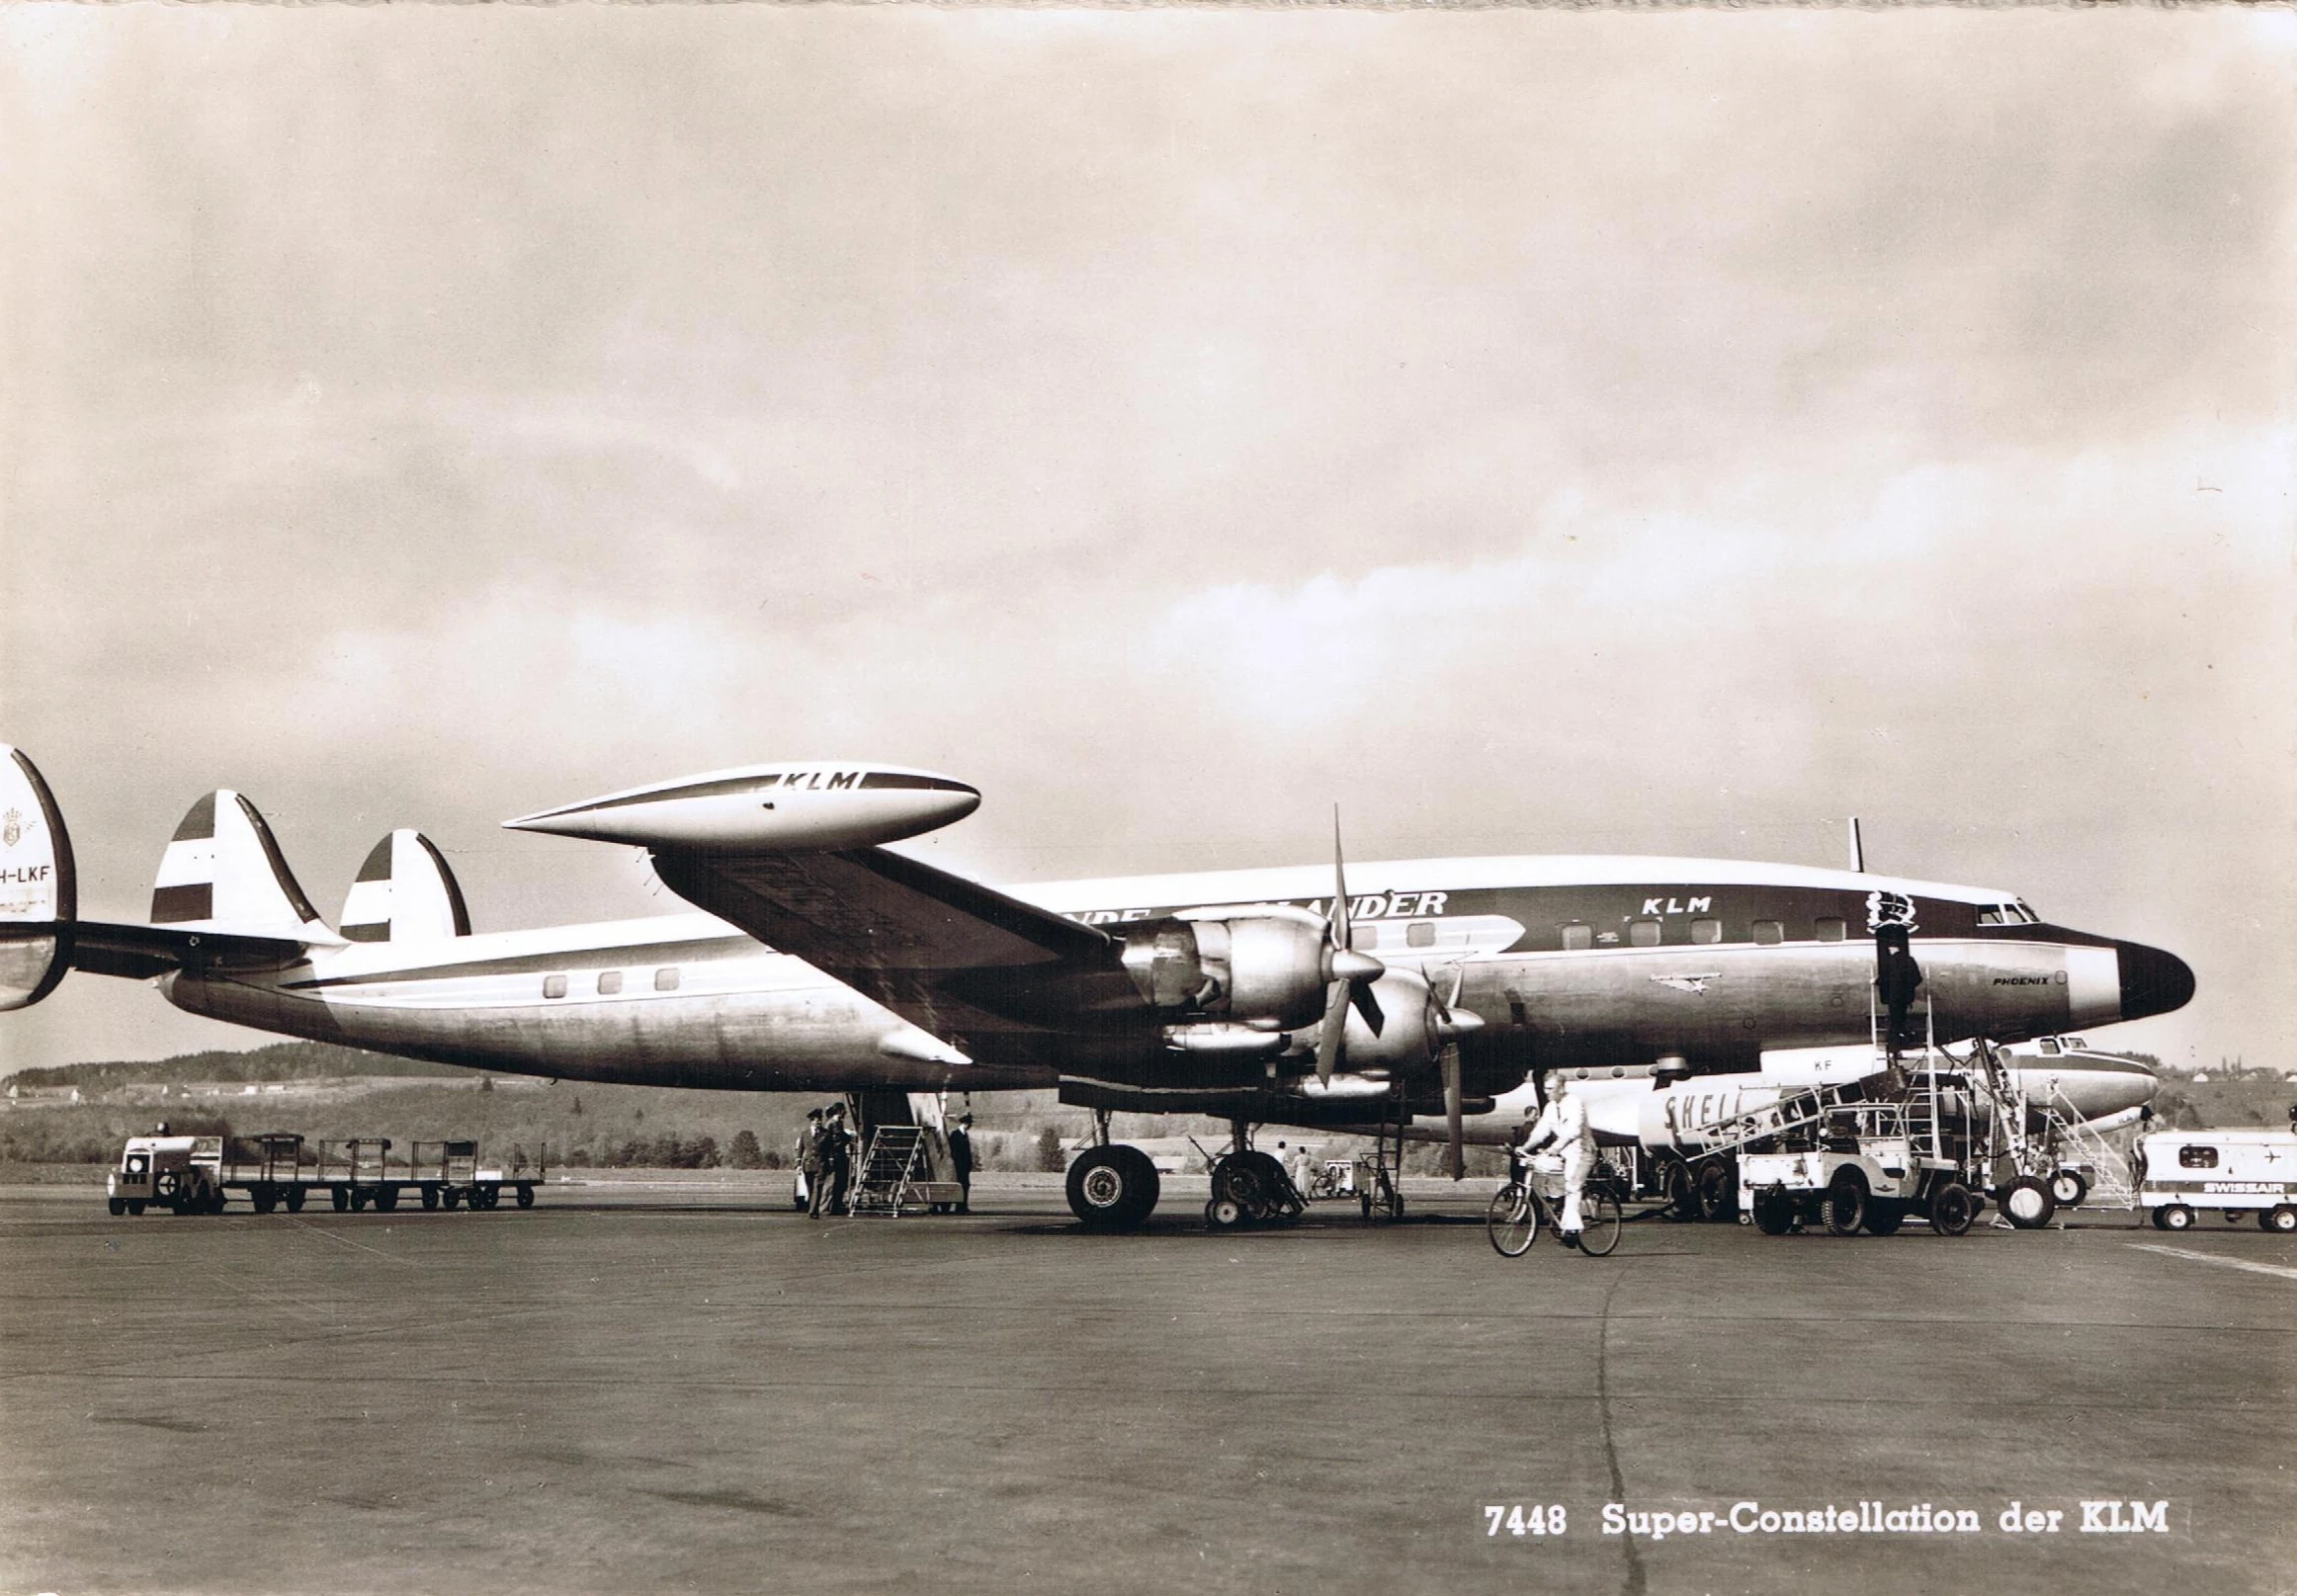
(2014, 913)
(2049, 1046)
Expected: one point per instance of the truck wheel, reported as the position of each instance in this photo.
(2067, 1188)
(1845, 1204)
(2281, 1218)
(430, 1196)
(1717, 1194)
(2027, 1203)
(117, 1205)
(135, 1205)
(526, 1196)
(265, 1199)
(449, 1197)
(1884, 1217)
(342, 1198)
(1679, 1190)
(1952, 1209)
(294, 1199)
(386, 1199)
(2176, 1216)
(1773, 1213)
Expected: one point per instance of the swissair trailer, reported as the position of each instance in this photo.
(2182, 1172)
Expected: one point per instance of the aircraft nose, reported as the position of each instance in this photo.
(2153, 982)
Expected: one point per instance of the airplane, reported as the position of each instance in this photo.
(822, 959)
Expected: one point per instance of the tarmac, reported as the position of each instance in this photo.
(684, 1386)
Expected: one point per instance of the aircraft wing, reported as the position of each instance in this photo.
(949, 955)
(142, 952)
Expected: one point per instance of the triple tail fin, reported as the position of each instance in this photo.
(405, 893)
(37, 901)
(224, 872)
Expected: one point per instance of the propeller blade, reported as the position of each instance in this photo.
(1455, 1121)
(1368, 1004)
(1342, 932)
(1334, 1026)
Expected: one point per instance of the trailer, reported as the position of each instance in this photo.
(279, 1169)
(2183, 1173)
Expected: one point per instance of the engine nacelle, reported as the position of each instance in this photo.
(1265, 966)
(1411, 1031)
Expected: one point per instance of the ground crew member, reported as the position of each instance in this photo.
(1563, 1123)
(812, 1156)
(962, 1156)
(837, 1158)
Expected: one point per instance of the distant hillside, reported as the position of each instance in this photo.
(287, 1060)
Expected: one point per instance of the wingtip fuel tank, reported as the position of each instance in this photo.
(806, 806)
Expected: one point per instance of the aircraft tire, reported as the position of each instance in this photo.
(2027, 1203)
(1953, 1209)
(1845, 1206)
(1112, 1187)
(2069, 1188)
(2175, 1216)
(1883, 1217)
(2280, 1218)
(1773, 1213)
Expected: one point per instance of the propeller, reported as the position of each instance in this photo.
(1449, 1025)
(1352, 973)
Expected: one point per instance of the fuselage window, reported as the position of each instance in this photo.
(609, 983)
(1420, 934)
(1578, 938)
(1828, 927)
(1769, 932)
(1706, 930)
(2196, 1158)
(1363, 939)
(1643, 933)
(666, 979)
(2048, 1045)
(554, 985)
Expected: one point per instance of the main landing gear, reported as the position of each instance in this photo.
(1112, 1187)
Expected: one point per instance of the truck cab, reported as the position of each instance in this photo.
(184, 1173)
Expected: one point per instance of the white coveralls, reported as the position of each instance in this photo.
(1563, 1123)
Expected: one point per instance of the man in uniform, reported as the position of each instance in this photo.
(810, 1163)
(837, 1158)
(962, 1156)
(1564, 1124)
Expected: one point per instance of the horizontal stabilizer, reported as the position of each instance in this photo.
(37, 900)
(405, 893)
(142, 952)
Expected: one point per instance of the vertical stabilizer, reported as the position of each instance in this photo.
(223, 872)
(37, 903)
(405, 893)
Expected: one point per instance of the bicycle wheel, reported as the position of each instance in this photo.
(1511, 1221)
(1599, 1220)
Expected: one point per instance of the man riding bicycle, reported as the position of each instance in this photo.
(1563, 1123)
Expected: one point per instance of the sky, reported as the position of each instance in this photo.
(1533, 431)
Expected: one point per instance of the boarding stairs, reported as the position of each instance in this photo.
(896, 1175)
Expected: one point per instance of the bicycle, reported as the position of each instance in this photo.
(1518, 1212)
